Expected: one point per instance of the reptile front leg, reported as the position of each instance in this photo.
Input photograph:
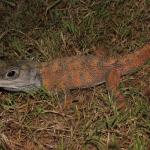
(112, 83)
(67, 100)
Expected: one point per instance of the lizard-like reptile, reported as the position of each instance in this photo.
(72, 72)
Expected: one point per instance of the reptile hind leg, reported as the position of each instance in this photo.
(112, 83)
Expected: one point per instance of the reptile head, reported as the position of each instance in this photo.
(19, 76)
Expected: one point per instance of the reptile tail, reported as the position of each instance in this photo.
(132, 61)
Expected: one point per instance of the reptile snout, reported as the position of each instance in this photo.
(19, 76)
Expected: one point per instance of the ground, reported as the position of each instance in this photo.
(41, 30)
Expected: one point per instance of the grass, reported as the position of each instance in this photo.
(44, 30)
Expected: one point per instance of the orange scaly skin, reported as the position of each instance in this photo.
(88, 71)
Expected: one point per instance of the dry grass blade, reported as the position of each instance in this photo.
(41, 30)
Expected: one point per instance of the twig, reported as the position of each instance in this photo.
(3, 34)
(9, 3)
(53, 5)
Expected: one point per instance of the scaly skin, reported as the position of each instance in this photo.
(73, 72)
(87, 71)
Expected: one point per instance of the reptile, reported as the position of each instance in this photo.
(72, 72)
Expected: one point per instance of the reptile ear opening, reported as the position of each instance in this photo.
(12, 74)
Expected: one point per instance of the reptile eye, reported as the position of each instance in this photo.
(12, 74)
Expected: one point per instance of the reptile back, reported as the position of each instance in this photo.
(88, 71)
(73, 72)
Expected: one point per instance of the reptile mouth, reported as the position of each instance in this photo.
(25, 88)
(34, 84)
